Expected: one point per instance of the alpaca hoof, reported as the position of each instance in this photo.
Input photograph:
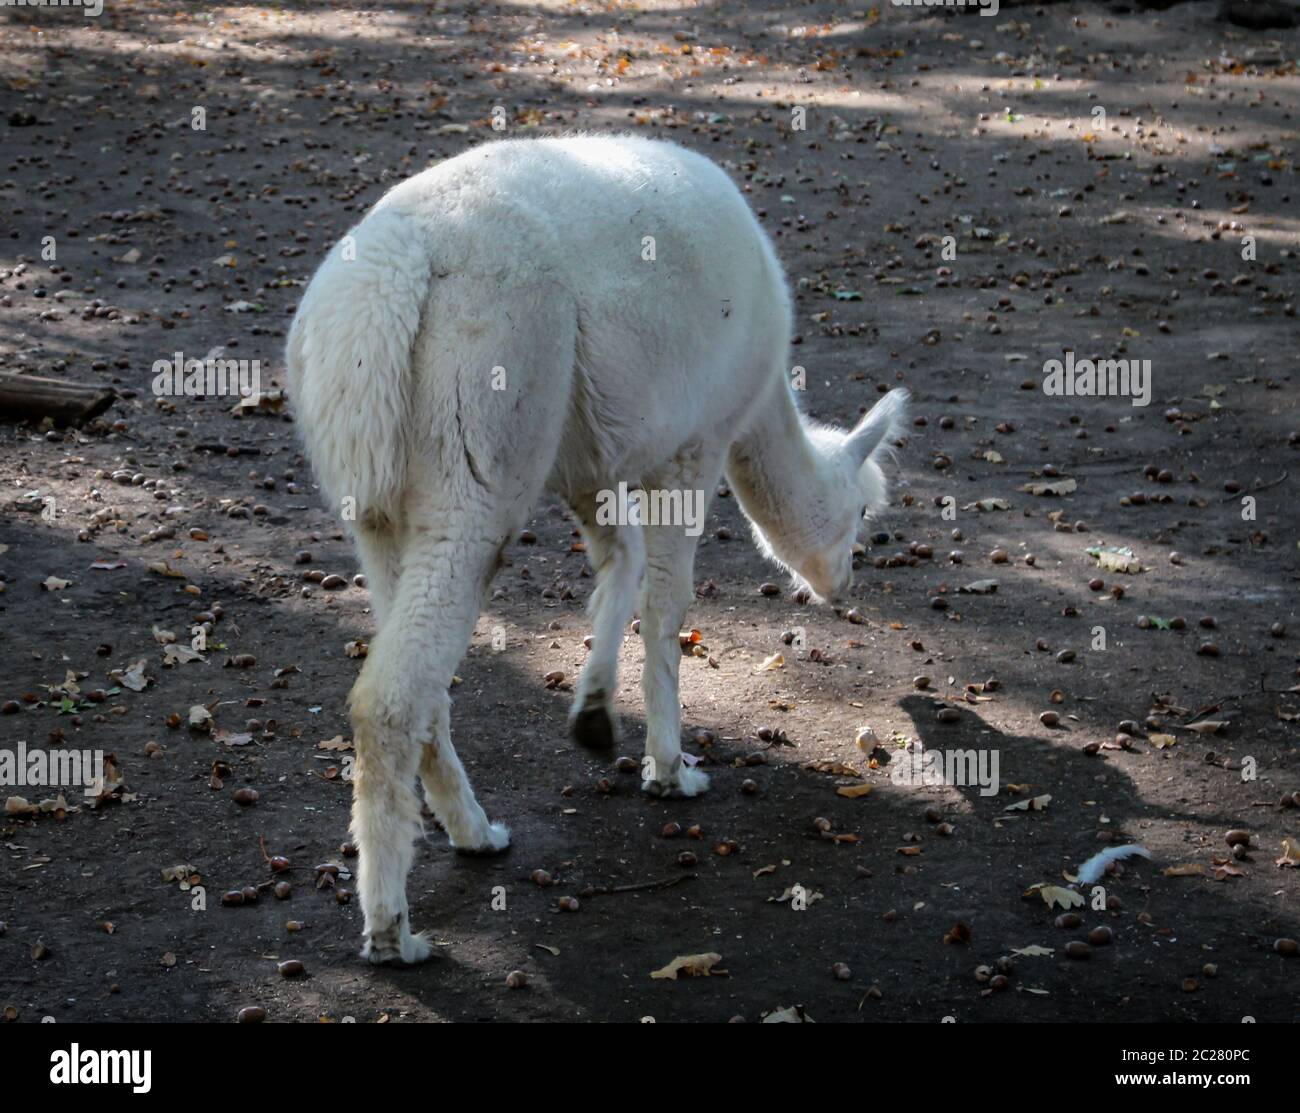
(684, 783)
(390, 948)
(593, 728)
(495, 841)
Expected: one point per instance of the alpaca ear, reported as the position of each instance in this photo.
(883, 423)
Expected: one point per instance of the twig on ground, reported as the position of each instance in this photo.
(1261, 487)
(641, 886)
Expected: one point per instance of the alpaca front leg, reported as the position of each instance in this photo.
(668, 594)
(385, 824)
(617, 553)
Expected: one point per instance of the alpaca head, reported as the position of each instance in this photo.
(814, 539)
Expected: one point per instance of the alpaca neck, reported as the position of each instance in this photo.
(779, 474)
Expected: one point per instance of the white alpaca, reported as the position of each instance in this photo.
(565, 314)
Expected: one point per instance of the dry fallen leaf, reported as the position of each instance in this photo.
(1111, 559)
(1161, 741)
(134, 677)
(232, 739)
(693, 966)
(853, 791)
(338, 742)
(1036, 804)
(1064, 486)
(178, 873)
(180, 655)
(1187, 869)
(776, 661)
(1055, 894)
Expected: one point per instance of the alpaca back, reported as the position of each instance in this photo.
(646, 253)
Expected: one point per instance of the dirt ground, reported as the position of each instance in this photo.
(1124, 237)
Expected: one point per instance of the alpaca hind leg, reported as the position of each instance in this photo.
(487, 414)
(449, 794)
(400, 722)
(385, 819)
(379, 545)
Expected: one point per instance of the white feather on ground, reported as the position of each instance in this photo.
(1095, 866)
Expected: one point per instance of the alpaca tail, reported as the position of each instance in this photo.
(349, 362)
